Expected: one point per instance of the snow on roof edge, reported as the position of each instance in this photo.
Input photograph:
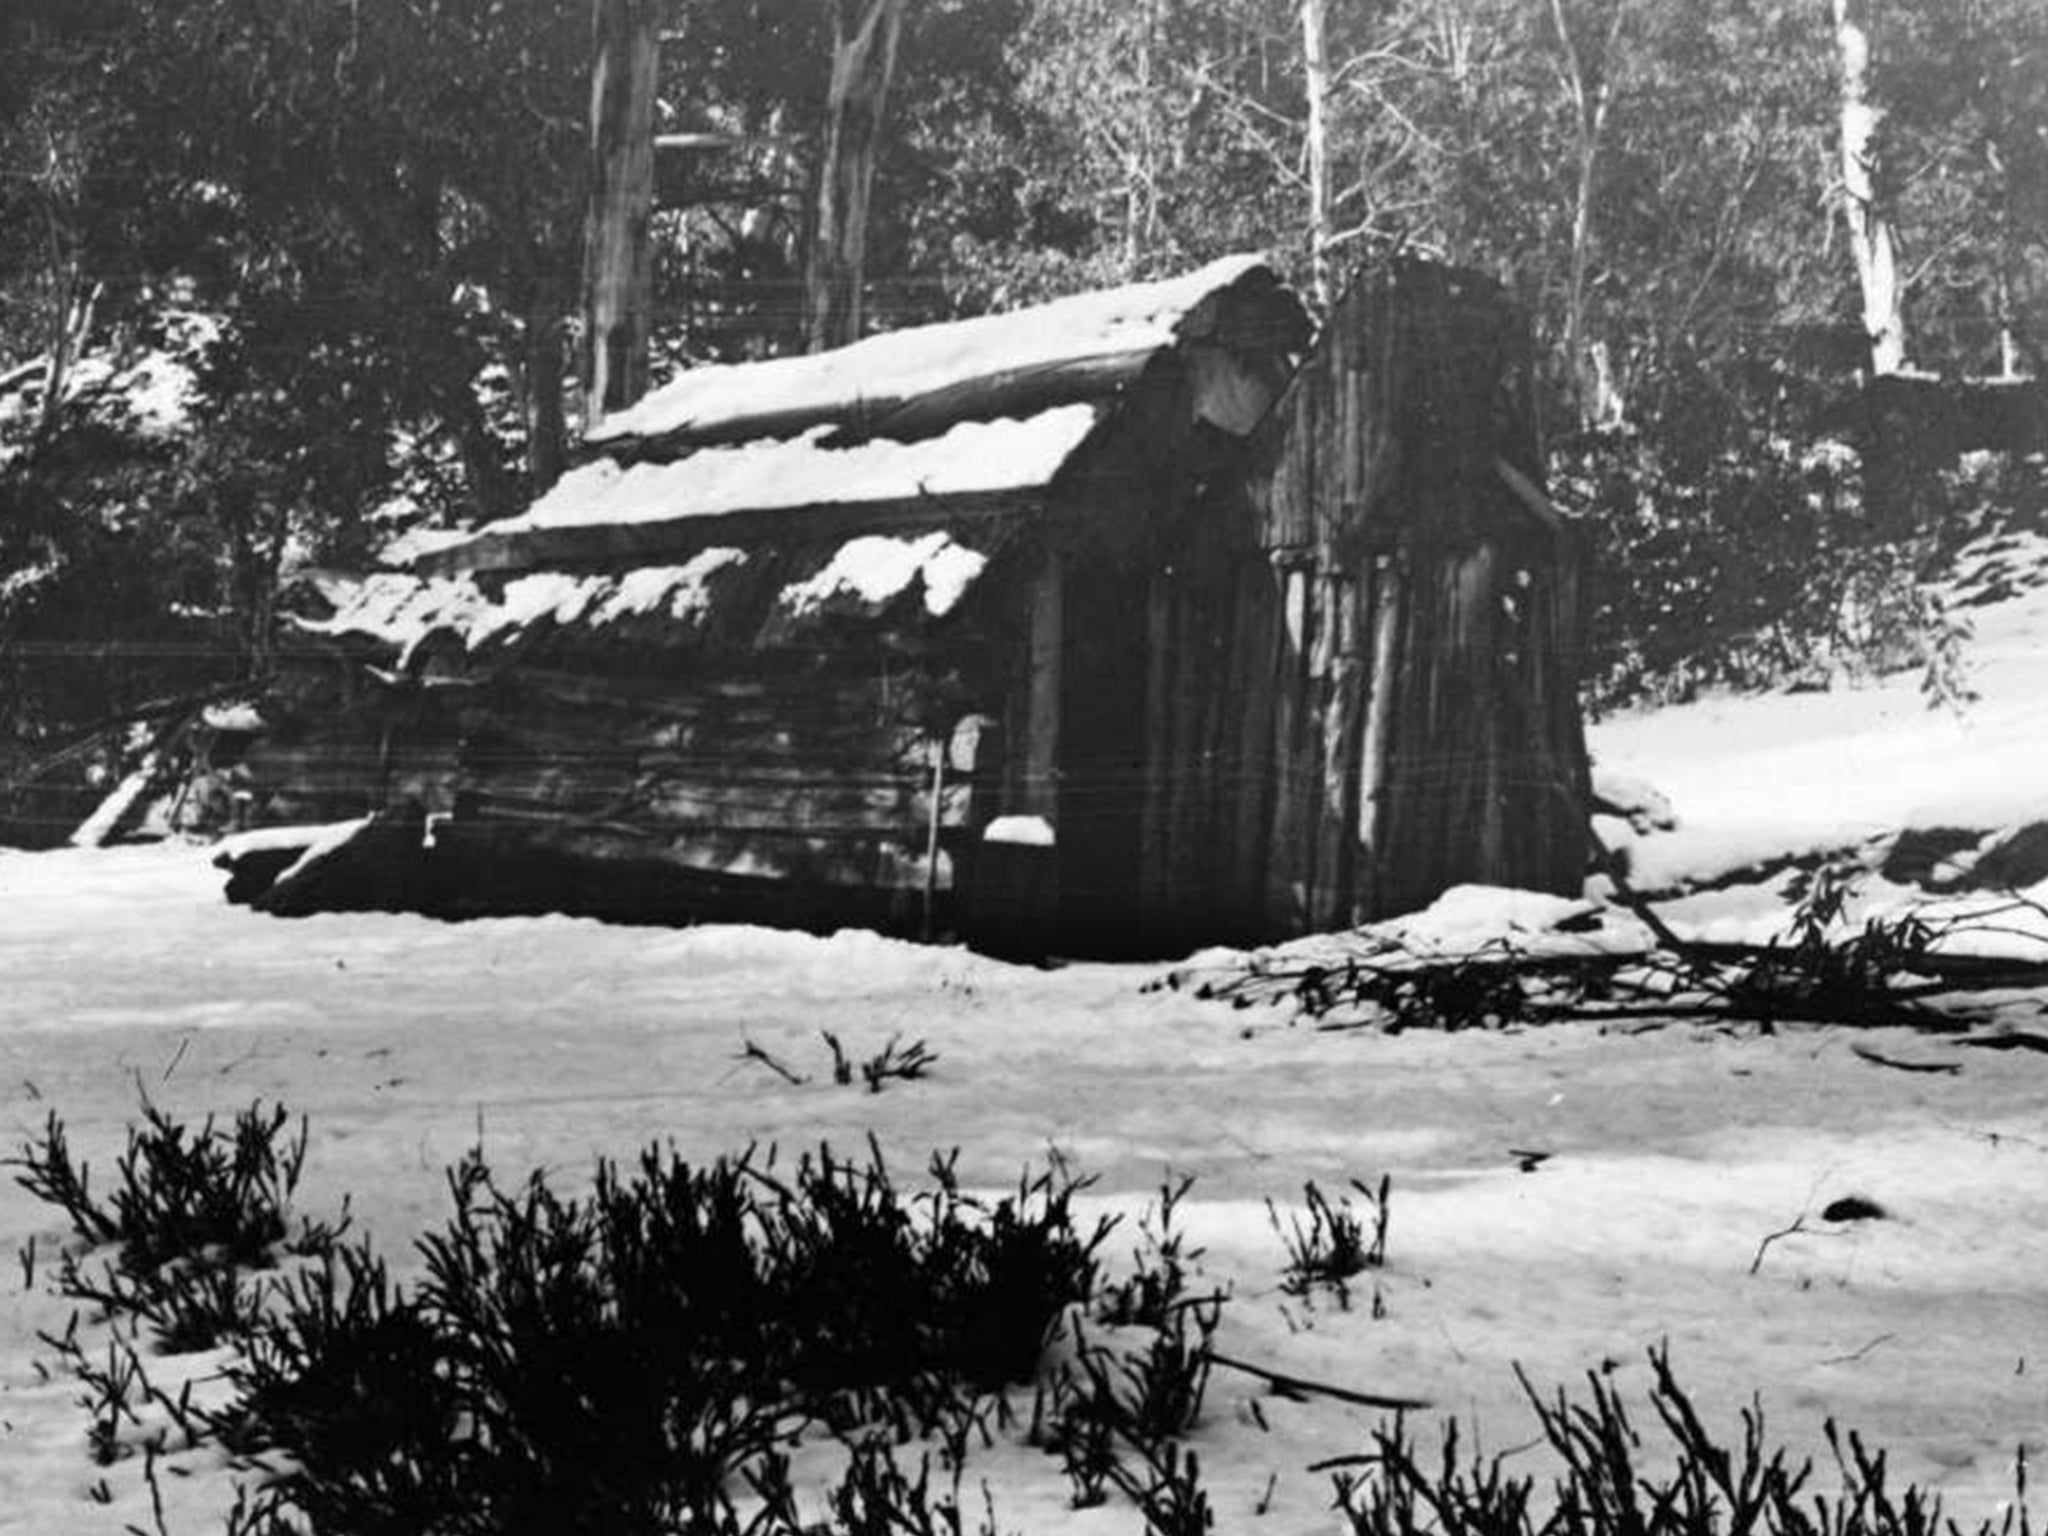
(918, 360)
(774, 476)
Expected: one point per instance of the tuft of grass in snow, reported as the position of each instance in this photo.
(1332, 1249)
(218, 1193)
(1608, 1486)
(619, 1359)
(1161, 1266)
(893, 1062)
(191, 1213)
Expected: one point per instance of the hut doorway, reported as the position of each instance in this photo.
(1102, 760)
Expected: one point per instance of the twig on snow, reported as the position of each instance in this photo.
(1879, 1059)
(1798, 1225)
(749, 1051)
(1301, 1384)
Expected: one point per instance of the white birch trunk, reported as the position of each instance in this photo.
(1316, 72)
(1864, 208)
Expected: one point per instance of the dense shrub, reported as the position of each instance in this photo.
(617, 1361)
(1750, 567)
(190, 1214)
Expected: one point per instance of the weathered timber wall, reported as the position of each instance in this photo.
(1371, 696)
(750, 763)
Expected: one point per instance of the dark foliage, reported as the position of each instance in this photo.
(1168, 1491)
(623, 1360)
(1159, 1275)
(190, 1215)
(1609, 1486)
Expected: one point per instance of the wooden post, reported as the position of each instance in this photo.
(1041, 748)
(931, 842)
(618, 259)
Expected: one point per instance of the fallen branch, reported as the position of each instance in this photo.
(749, 1051)
(2012, 1040)
(1300, 1384)
(1857, 1354)
(1798, 1225)
(1879, 1059)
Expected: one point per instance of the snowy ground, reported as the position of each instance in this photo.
(1673, 1153)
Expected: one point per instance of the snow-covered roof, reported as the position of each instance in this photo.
(775, 595)
(897, 366)
(973, 408)
(973, 456)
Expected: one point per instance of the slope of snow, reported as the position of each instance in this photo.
(1754, 777)
(1135, 318)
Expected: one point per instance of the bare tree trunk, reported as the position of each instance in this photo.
(493, 490)
(618, 261)
(864, 35)
(1865, 209)
(68, 328)
(547, 430)
(1590, 87)
(2011, 362)
(1316, 72)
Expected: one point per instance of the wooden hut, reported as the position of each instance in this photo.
(1104, 626)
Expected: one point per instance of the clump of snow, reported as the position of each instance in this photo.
(875, 568)
(403, 610)
(1020, 831)
(768, 475)
(683, 591)
(232, 717)
(1137, 318)
(276, 839)
(1467, 916)
(542, 595)
(100, 825)
(399, 609)
(329, 841)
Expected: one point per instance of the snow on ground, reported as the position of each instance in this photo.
(1752, 777)
(1673, 1154)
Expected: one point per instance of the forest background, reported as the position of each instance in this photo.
(282, 279)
